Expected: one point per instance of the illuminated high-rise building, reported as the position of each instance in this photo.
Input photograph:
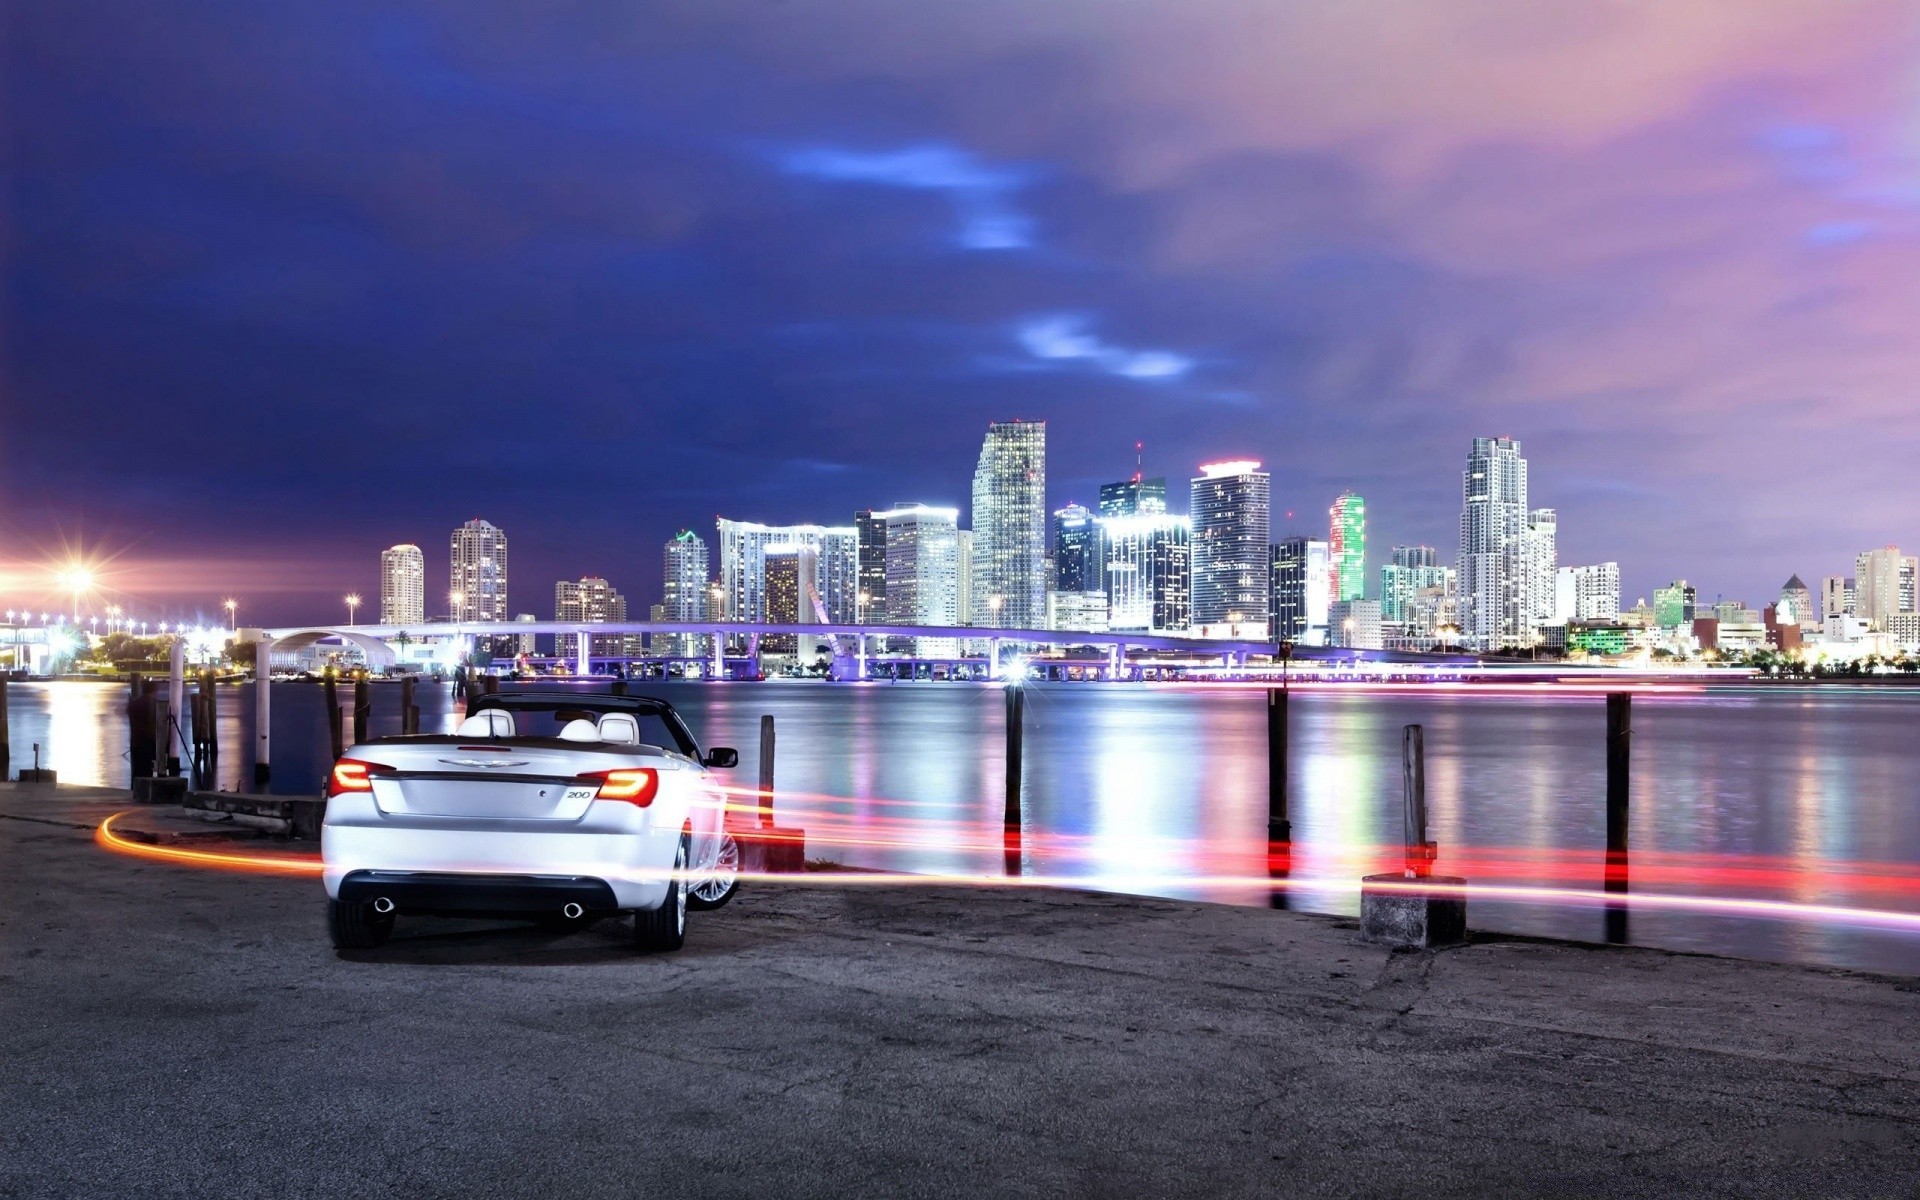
(792, 582)
(1675, 605)
(403, 585)
(683, 594)
(1302, 582)
(1587, 593)
(1795, 605)
(870, 572)
(589, 600)
(1348, 543)
(1230, 504)
(1133, 497)
(1148, 572)
(1883, 586)
(1542, 554)
(743, 575)
(1836, 597)
(477, 590)
(1077, 556)
(1495, 559)
(923, 572)
(1408, 570)
(1008, 577)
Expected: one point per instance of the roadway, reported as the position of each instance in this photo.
(173, 1032)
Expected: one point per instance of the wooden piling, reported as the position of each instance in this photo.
(1619, 779)
(362, 709)
(331, 702)
(766, 770)
(409, 712)
(6, 744)
(1413, 772)
(162, 738)
(262, 714)
(1279, 826)
(1016, 747)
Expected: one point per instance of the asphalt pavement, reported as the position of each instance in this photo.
(167, 1031)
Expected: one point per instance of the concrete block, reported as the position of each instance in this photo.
(163, 789)
(39, 775)
(772, 849)
(1413, 912)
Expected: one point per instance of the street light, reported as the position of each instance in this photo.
(78, 580)
(353, 602)
(233, 615)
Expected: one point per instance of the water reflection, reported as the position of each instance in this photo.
(1769, 794)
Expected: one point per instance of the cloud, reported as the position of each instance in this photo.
(1063, 337)
(980, 194)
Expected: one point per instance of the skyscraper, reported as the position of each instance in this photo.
(1409, 569)
(590, 599)
(1133, 497)
(683, 595)
(870, 573)
(1231, 567)
(923, 568)
(1587, 593)
(1542, 566)
(1675, 605)
(1883, 585)
(1302, 581)
(403, 585)
(1349, 546)
(743, 576)
(792, 582)
(1493, 546)
(1148, 572)
(1077, 557)
(1836, 598)
(477, 590)
(1010, 525)
(1796, 604)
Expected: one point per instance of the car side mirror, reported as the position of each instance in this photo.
(722, 756)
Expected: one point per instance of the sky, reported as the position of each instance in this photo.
(282, 285)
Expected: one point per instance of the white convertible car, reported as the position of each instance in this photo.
(555, 807)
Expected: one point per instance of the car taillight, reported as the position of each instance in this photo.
(350, 775)
(633, 785)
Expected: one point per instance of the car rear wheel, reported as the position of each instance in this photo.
(357, 926)
(722, 882)
(665, 928)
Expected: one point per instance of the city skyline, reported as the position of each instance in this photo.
(806, 302)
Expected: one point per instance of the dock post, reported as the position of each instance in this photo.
(176, 703)
(163, 739)
(262, 712)
(1016, 749)
(1279, 824)
(6, 745)
(766, 770)
(1413, 907)
(1619, 777)
(362, 708)
(330, 701)
(409, 715)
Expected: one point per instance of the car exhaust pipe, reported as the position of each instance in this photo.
(572, 911)
(383, 906)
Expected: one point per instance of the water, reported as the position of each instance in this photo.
(1799, 795)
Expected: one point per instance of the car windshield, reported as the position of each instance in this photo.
(546, 718)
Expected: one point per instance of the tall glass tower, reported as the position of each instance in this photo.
(1494, 546)
(403, 585)
(1231, 503)
(684, 595)
(477, 589)
(1349, 542)
(1009, 581)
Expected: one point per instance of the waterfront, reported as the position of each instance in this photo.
(1787, 794)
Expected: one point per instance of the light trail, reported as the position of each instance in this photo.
(1150, 884)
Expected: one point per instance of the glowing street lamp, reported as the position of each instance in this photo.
(353, 602)
(79, 581)
(233, 615)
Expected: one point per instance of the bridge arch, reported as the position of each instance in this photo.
(373, 649)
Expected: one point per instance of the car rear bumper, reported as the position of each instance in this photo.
(624, 862)
(479, 895)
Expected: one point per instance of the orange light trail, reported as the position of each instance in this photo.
(1902, 879)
